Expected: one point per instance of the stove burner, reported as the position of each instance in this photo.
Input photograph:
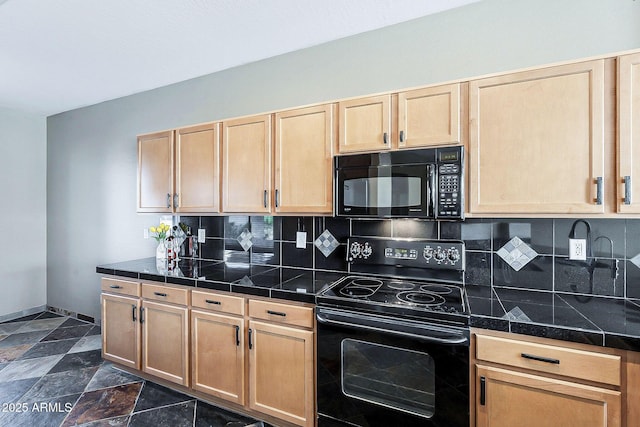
(436, 289)
(365, 283)
(421, 297)
(357, 291)
(400, 285)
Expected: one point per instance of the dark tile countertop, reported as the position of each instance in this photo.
(261, 280)
(604, 321)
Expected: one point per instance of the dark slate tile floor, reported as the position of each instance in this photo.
(52, 375)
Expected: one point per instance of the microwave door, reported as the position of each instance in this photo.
(365, 191)
(411, 195)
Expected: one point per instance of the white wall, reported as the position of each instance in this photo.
(92, 151)
(23, 220)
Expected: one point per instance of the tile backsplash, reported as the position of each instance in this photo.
(537, 259)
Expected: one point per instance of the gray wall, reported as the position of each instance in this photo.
(23, 264)
(92, 151)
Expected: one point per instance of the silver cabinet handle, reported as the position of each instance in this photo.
(401, 136)
(385, 138)
(277, 198)
(627, 190)
(599, 184)
(264, 198)
(168, 200)
(175, 200)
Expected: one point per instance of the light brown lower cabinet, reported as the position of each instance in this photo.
(281, 372)
(258, 354)
(120, 330)
(218, 355)
(536, 382)
(165, 341)
(145, 327)
(513, 398)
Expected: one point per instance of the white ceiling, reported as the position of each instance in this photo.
(57, 55)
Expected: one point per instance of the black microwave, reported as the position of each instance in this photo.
(421, 183)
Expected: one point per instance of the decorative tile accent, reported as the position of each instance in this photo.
(326, 243)
(635, 260)
(245, 239)
(517, 253)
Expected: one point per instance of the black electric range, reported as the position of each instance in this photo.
(393, 337)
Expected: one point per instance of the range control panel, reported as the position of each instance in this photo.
(436, 254)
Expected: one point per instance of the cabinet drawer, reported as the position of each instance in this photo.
(218, 302)
(580, 364)
(165, 294)
(281, 313)
(123, 287)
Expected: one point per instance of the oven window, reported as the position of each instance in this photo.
(392, 377)
(383, 192)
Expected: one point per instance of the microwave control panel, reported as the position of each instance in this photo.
(450, 183)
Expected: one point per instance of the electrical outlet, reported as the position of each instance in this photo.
(301, 239)
(578, 249)
(201, 235)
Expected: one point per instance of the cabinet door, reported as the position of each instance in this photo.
(365, 124)
(281, 372)
(120, 330)
(165, 341)
(155, 172)
(246, 165)
(218, 355)
(629, 133)
(515, 399)
(429, 116)
(303, 168)
(537, 141)
(198, 168)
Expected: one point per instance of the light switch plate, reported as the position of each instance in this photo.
(578, 249)
(201, 235)
(301, 239)
(145, 233)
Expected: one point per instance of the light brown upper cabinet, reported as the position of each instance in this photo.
(429, 116)
(246, 165)
(628, 133)
(424, 117)
(198, 169)
(537, 141)
(155, 172)
(180, 175)
(365, 124)
(304, 144)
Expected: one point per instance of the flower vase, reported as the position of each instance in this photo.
(161, 255)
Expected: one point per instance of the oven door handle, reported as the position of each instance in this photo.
(393, 327)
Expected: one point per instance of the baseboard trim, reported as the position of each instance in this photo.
(19, 314)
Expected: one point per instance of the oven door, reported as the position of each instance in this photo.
(378, 371)
(385, 191)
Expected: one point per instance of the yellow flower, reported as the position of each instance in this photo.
(152, 229)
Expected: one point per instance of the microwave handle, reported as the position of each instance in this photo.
(432, 209)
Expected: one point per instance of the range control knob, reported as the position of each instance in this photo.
(427, 253)
(439, 255)
(454, 255)
(355, 250)
(367, 251)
